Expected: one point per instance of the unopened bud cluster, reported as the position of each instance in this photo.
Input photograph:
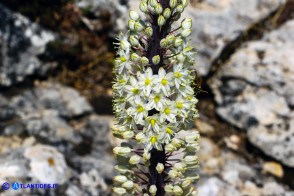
(154, 101)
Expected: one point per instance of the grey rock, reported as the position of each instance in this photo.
(21, 41)
(262, 103)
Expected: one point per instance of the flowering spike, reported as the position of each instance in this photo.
(154, 101)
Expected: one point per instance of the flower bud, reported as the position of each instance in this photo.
(192, 138)
(119, 190)
(185, 3)
(135, 57)
(176, 142)
(180, 8)
(144, 61)
(128, 184)
(163, 43)
(143, 7)
(191, 160)
(122, 151)
(124, 45)
(178, 190)
(178, 42)
(186, 32)
(152, 190)
(159, 168)
(158, 9)
(134, 41)
(131, 24)
(166, 13)
(170, 39)
(122, 169)
(135, 159)
(139, 27)
(181, 58)
(187, 23)
(149, 31)
(153, 3)
(161, 20)
(134, 15)
(146, 156)
(186, 183)
(173, 174)
(156, 60)
(169, 188)
(180, 167)
(120, 179)
(173, 3)
(128, 135)
(170, 148)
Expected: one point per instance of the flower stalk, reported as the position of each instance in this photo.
(154, 103)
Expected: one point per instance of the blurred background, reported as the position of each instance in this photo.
(56, 60)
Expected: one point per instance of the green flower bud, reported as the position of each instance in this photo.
(134, 15)
(192, 138)
(163, 43)
(149, 31)
(170, 39)
(120, 179)
(143, 7)
(186, 32)
(169, 188)
(187, 23)
(122, 169)
(131, 24)
(161, 20)
(135, 159)
(128, 184)
(180, 167)
(146, 156)
(128, 135)
(135, 57)
(134, 41)
(144, 61)
(139, 27)
(178, 42)
(173, 3)
(170, 148)
(156, 60)
(119, 191)
(122, 151)
(166, 13)
(178, 190)
(159, 168)
(158, 9)
(180, 8)
(152, 190)
(153, 3)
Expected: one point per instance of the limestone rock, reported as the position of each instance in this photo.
(21, 41)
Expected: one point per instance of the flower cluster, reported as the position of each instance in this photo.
(154, 101)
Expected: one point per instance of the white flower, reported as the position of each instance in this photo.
(180, 74)
(133, 90)
(154, 142)
(123, 62)
(168, 113)
(157, 101)
(139, 111)
(153, 123)
(164, 82)
(146, 81)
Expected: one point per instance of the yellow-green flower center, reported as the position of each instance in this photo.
(153, 140)
(135, 91)
(177, 74)
(122, 59)
(164, 82)
(169, 130)
(121, 81)
(179, 105)
(167, 111)
(147, 81)
(157, 98)
(140, 109)
(152, 122)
